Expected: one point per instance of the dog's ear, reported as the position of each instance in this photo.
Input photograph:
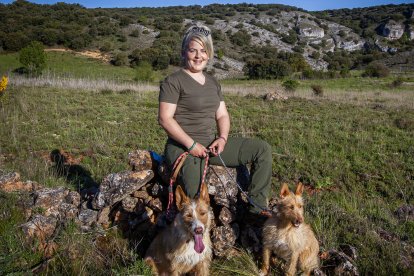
(180, 198)
(299, 189)
(204, 193)
(284, 192)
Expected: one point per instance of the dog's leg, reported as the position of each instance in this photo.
(292, 264)
(265, 261)
(201, 269)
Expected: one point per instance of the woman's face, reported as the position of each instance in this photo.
(196, 57)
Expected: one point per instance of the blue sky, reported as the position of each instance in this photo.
(310, 5)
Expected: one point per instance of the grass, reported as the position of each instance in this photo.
(353, 145)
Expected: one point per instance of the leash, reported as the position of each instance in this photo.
(240, 188)
(179, 162)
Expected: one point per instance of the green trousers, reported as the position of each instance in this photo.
(238, 151)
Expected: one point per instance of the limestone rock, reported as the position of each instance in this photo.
(392, 30)
(87, 219)
(104, 217)
(117, 186)
(10, 182)
(39, 227)
(275, 96)
(129, 203)
(226, 216)
(223, 239)
(338, 263)
(67, 211)
(222, 186)
(140, 160)
(49, 200)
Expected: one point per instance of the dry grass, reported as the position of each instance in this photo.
(80, 83)
(385, 98)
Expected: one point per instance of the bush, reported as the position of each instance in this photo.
(120, 59)
(290, 85)
(267, 69)
(144, 72)
(376, 70)
(317, 90)
(33, 58)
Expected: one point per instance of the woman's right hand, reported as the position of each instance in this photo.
(199, 151)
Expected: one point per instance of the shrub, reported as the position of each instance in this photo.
(144, 72)
(376, 70)
(267, 69)
(33, 58)
(290, 85)
(120, 59)
(317, 90)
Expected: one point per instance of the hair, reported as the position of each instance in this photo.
(201, 34)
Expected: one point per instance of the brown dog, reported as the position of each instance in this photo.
(184, 246)
(286, 234)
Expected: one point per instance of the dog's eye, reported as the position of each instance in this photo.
(188, 215)
(300, 206)
(292, 207)
(203, 214)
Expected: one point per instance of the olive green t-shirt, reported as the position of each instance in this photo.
(196, 104)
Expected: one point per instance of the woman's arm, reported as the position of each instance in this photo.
(166, 119)
(223, 127)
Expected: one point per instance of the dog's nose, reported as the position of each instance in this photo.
(198, 230)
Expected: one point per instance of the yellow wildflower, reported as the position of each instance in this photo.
(3, 83)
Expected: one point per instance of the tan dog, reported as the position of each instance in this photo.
(184, 246)
(286, 234)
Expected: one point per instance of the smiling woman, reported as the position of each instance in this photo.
(191, 107)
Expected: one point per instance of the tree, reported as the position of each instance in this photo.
(33, 58)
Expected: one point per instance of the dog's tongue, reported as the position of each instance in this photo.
(198, 243)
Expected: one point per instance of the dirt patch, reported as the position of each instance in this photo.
(91, 54)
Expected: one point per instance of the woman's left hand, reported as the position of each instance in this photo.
(217, 146)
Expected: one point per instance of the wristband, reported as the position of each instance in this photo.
(192, 146)
(221, 137)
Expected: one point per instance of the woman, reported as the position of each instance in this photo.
(191, 106)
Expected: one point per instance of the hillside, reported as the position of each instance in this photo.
(335, 40)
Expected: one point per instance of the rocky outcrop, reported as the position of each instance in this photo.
(310, 30)
(392, 30)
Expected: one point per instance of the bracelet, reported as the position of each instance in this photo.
(192, 146)
(221, 137)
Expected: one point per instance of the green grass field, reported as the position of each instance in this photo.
(358, 158)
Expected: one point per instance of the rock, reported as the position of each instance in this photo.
(157, 190)
(129, 203)
(310, 30)
(141, 160)
(222, 186)
(103, 217)
(223, 239)
(88, 218)
(156, 205)
(405, 213)
(142, 195)
(10, 182)
(350, 251)
(117, 186)
(226, 216)
(275, 96)
(39, 227)
(49, 200)
(392, 30)
(338, 263)
(68, 211)
(73, 198)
